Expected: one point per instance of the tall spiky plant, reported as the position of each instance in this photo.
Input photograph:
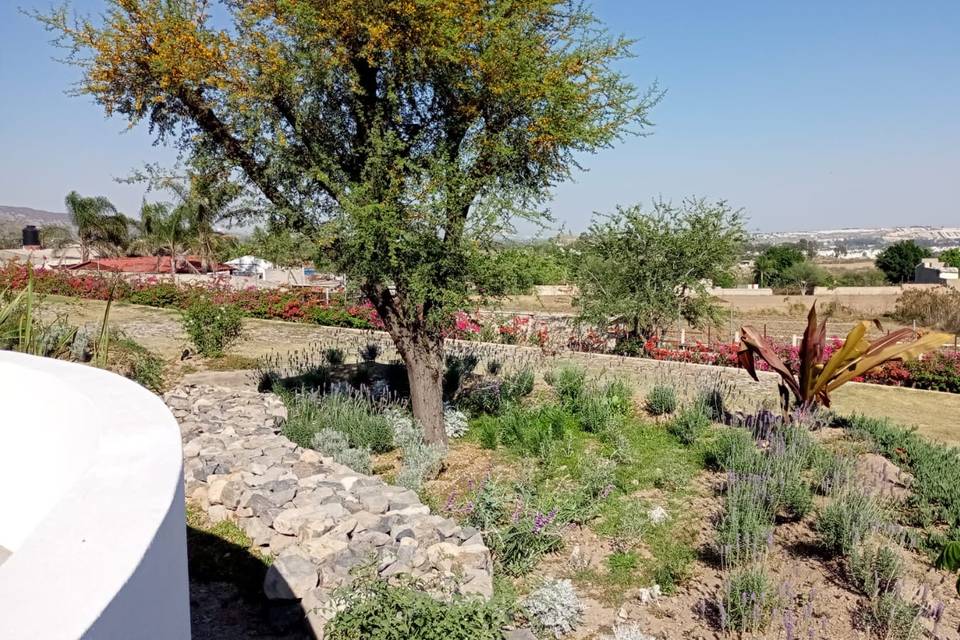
(817, 377)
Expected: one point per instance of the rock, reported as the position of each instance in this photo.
(289, 577)
(217, 513)
(259, 533)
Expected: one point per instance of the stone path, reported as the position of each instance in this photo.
(317, 518)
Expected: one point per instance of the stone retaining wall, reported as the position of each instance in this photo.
(318, 518)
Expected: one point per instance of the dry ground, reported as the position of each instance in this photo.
(936, 415)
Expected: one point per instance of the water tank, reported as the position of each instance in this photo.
(31, 236)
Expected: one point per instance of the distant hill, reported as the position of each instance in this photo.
(21, 216)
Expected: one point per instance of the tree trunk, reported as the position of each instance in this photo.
(423, 356)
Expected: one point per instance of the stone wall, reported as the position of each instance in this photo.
(317, 518)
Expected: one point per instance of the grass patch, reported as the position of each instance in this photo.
(222, 552)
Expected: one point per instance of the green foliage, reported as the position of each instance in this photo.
(748, 598)
(212, 328)
(570, 384)
(334, 356)
(714, 403)
(899, 261)
(100, 227)
(335, 444)
(137, 363)
(642, 271)
(661, 400)
(523, 266)
(745, 526)
(459, 366)
(376, 609)
(890, 617)
(949, 559)
(772, 266)
(689, 424)
(951, 257)
(517, 385)
(935, 492)
(733, 449)
(365, 426)
(874, 570)
(845, 521)
(279, 245)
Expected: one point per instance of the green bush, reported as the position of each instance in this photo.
(890, 617)
(747, 600)
(569, 382)
(745, 526)
(661, 400)
(713, 403)
(689, 424)
(733, 449)
(379, 610)
(212, 328)
(517, 385)
(364, 426)
(483, 397)
(334, 356)
(874, 570)
(458, 367)
(846, 521)
(935, 492)
(487, 429)
(598, 414)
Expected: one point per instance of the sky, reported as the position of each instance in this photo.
(807, 115)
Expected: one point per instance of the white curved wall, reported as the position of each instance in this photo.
(92, 505)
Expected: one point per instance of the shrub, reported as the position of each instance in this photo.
(212, 328)
(832, 472)
(890, 617)
(554, 607)
(620, 396)
(713, 403)
(458, 366)
(627, 632)
(364, 426)
(454, 422)
(517, 385)
(935, 491)
(137, 363)
(846, 520)
(493, 367)
(597, 413)
(569, 382)
(375, 609)
(334, 356)
(874, 570)
(689, 424)
(370, 352)
(747, 601)
(673, 566)
(661, 400)
(744, 530)
(481, 398)
(732, 450)
(421, 461)
(333, 443)
(488, 429)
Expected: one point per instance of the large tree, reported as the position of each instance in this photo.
(645, 270)
(409, 131)
(899, 261)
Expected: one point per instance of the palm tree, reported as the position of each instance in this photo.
(99, 225)
(163, 231)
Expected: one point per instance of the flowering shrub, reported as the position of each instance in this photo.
(297, 305)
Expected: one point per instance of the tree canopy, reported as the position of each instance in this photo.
(951, 257)
(411, 133)
(644, 270)
(99, 226)
(899, 261)
(772, 268)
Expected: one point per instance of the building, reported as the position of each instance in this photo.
(932, 271)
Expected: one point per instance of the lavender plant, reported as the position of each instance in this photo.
(747, 600)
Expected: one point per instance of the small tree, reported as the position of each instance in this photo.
(899, 261)
(774, 263)
(645, 270)
(409, 133)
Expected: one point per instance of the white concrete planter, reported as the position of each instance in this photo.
(92, 506)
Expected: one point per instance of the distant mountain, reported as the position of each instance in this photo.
(22, 216)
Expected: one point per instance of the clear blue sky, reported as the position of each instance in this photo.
(806, 114)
